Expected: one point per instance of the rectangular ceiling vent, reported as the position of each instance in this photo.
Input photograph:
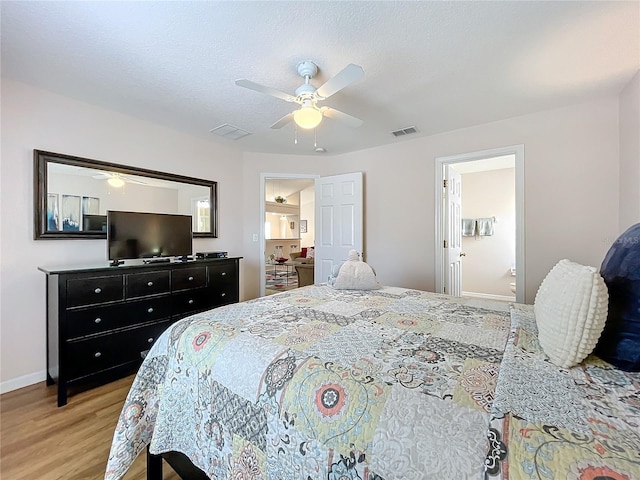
(229, 131)
(404, 131)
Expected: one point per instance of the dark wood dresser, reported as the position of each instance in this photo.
(102, 320)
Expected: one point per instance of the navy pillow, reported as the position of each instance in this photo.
(619, 343)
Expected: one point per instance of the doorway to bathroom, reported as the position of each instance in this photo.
(480, 224)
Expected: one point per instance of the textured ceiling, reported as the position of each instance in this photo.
(438, 66)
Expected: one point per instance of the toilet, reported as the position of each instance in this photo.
(512, 285)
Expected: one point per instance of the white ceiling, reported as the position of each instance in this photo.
(438, 66)
(494, 163)
(284, 187)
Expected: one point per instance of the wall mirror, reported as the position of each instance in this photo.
(72, 196)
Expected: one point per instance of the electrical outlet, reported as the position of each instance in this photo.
(255, 237)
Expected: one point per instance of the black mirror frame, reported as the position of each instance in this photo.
(42, 158)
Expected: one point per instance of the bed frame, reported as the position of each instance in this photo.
(176, 460)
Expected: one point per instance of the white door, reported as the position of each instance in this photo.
(339, 207)
(452, 232)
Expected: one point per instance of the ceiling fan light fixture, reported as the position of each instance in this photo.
(115, 182)
(307, 117)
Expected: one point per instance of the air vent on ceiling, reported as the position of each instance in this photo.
(229, 131)
(404, 131)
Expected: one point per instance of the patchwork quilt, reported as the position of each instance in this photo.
(581, 423)
(317, 383)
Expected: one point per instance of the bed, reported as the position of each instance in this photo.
(392, 383)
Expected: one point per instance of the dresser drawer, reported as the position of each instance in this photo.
(185, 278)
(225, 273)
(150, 283)
(90, 321)
(94, 290)
(92, 355)
(222, 294)
(185, 303)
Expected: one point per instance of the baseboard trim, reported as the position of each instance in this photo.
(24, 381)
(490, 296)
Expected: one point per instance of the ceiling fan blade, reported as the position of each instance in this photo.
(266, 90)
(345, 118)
(348, 75)
(283, 121)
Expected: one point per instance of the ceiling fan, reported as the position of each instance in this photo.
(117, 180)
(309, 115)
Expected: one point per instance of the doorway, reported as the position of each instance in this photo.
(287, 212)
(334, 225)
(484, 168)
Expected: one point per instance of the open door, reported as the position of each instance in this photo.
(339, 218)
(452, 232)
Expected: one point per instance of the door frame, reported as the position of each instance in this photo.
(263, 212)
(518, 152)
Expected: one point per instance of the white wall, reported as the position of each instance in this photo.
(488, 260)
(630, 154)
(307, 212)
(35, 119)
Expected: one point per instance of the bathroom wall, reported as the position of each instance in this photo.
(488, 260)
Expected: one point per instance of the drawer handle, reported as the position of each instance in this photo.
(97, 354)
(149, 284)
(190, 279)
(98, 290)
(190, 301)
(150, 340)
(150, 310)
(223, 294)
(223, 273)
(98, 320)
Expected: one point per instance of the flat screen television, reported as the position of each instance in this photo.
(147, 235)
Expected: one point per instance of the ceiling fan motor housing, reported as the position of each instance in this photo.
(307, 69)
(305, 91)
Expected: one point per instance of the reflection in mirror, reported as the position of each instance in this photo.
(73, 195)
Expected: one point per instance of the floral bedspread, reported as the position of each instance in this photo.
(317, 383)
(581, 423)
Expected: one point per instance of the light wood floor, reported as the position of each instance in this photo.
(39, 441)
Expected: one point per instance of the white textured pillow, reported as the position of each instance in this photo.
(355, 274)
(571, 310)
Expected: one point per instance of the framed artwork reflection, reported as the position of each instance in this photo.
(70, 213)
(53, 212)
(90, 205)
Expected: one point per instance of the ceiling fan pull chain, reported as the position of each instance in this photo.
(295, 135)
(315, 137)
